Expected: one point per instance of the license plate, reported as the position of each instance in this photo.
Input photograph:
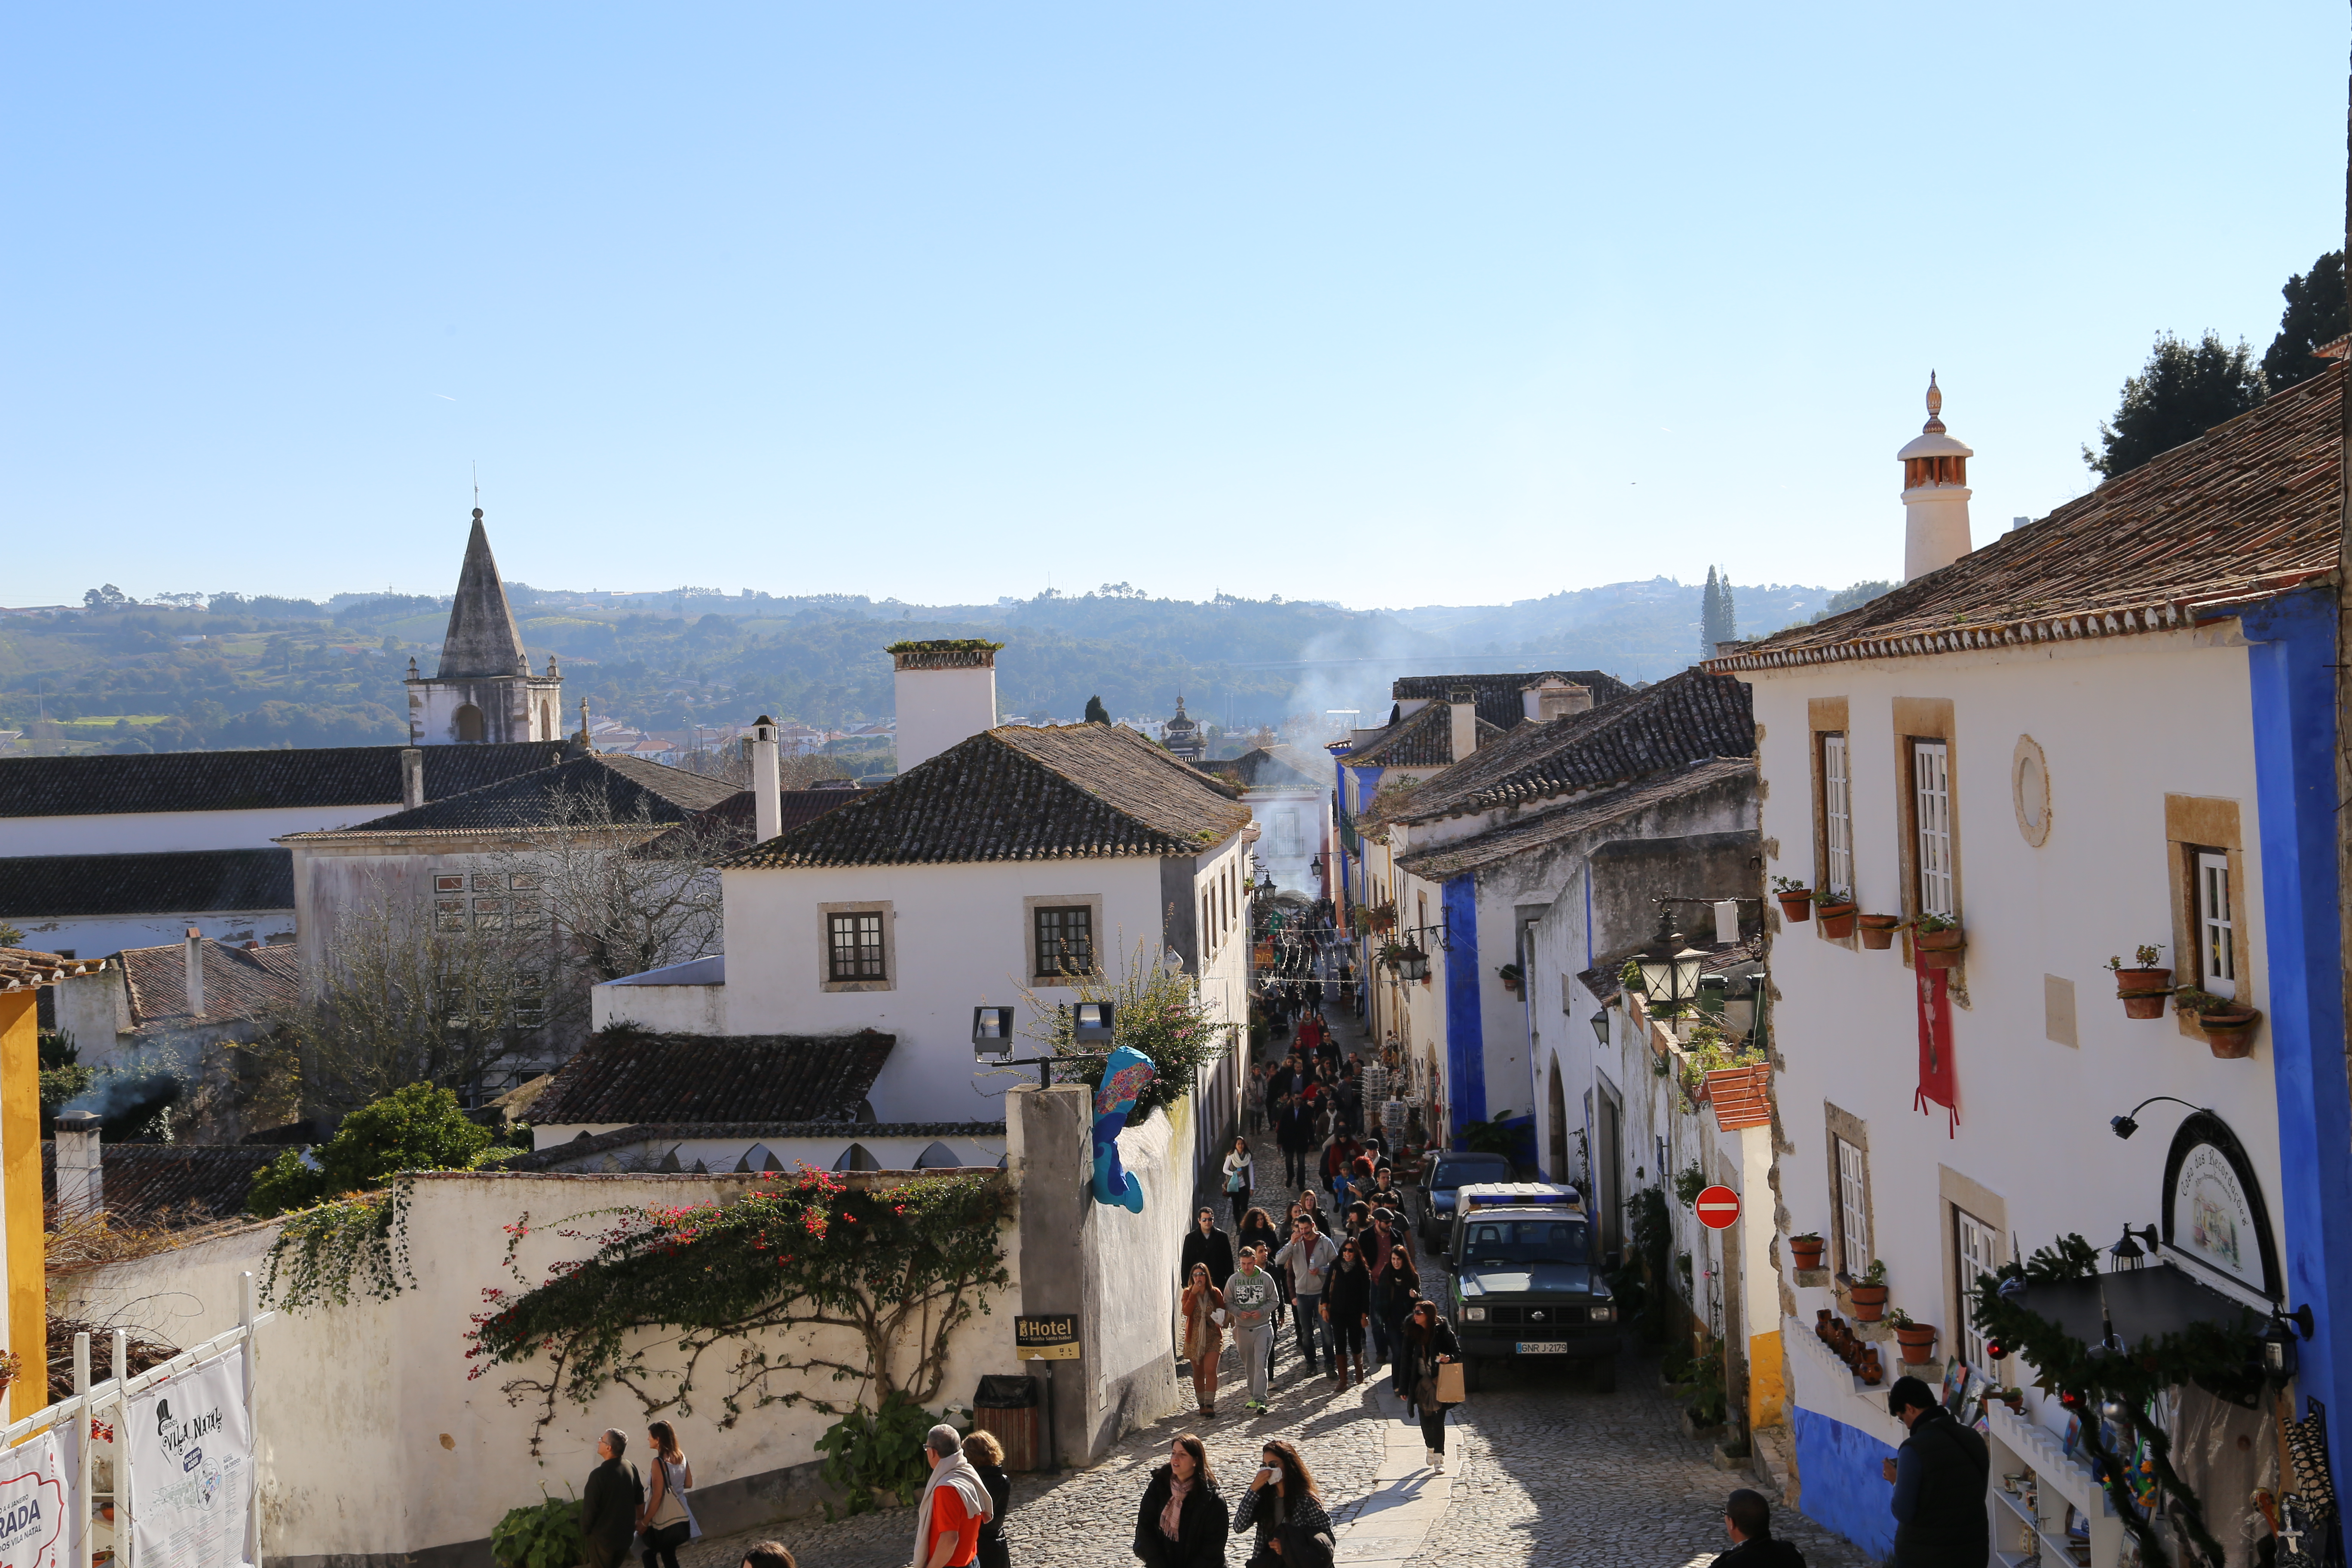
(1529, 1348)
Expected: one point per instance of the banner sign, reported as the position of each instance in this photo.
(191, 1453)
(33, 1505)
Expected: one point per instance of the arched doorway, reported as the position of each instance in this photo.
(469, 722)
(1559, 1125)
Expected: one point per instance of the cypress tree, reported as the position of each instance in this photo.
(1710, 612)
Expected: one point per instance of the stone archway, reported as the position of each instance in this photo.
(1557, 1112)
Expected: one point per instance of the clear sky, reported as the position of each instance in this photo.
(1392, 305)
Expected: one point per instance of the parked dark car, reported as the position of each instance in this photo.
(1446, 1172)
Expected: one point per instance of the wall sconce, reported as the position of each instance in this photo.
(992, 1031)
(2128, 1254)
(1411, 965)
(1669, 966)
(1090, 1023)
(1599, 1022)
(2124, 1126)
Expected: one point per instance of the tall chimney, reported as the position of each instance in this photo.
(82, 1175)
(196, 972)
(767, 802)
(412, 778)
(1464, 735)
(1935, 494)
(946, 694)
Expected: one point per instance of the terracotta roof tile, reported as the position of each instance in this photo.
(665, 795)
(1741, 1095)
(1584, 814)
(1424, 739)
(239, 983)
(178, 1184)
(1497, 695)
(167, 882)
(27, 969)
(626, 1077)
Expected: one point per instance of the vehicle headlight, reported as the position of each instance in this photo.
(1605, 1314)
(1473, 1314)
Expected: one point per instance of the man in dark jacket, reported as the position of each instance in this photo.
(1747, 1519)
(609, 1503)
(1939, 1475)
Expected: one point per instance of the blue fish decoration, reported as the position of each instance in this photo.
(1124, 1080)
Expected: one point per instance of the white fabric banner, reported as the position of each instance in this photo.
(191, 1459)
(32, 1511)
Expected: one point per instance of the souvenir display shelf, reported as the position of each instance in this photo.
(2029, 1524)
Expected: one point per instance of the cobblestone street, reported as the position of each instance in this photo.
(1542, 1471)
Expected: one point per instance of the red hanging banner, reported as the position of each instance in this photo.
(1936, 1080)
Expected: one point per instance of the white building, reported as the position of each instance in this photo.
(1288, 792)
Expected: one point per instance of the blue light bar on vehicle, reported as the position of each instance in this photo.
(1520, 1195)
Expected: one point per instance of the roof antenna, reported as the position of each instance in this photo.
(477, 484)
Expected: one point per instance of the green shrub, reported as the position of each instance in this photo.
(417, 1128)
(545, 1534)
(870, 1451)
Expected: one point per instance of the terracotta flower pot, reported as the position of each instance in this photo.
(1837, 919)
(2143, 991)
(2230, 1035)
(1939, 948)
(1869, 1302)
(1807, 1254)
(1796, 907)
(1878, 931)
(1918, 1343)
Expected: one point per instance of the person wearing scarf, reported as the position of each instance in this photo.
(1182, 1523)
(955, 1504)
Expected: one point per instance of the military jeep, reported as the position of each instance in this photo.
(1526, 1283)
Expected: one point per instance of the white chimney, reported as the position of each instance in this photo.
(82, 1175)
(412, 778)
(1464, 733)
(1727, 922)
(196, 972)
(767, 801)
(1935, 494)
(946, 694)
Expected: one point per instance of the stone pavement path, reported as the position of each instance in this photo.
(1541, 1471)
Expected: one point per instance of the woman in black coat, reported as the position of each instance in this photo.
(1429, 1343)
(1204, 1243)
(1198, 1537)
(987, 1456)
(1348, 1307)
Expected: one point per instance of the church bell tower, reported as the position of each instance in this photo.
(483, 691)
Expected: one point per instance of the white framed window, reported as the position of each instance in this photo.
(2217, 929)
(1978, 1248)
(1854, 1209)
(1837, 814)
(1931, 785)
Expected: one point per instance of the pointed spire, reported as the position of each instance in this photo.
(482, 637)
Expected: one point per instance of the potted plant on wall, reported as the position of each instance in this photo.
(1806, 1250)
(1512, 977)
(1878, 931)
(1937, 942)
(1868, 1293)
(1377, 918)
(1918, 1339)
(1837, 912)
(2142, 990)
(2228, 1025)
(1796, 898)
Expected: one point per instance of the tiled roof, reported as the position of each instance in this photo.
(1420, 739)
(664, 795)
(1069, 792)
(2245, 511)
(1679, 720)
(1273, 767)
(176, 1183)
(481, 638)
(166, 882)
(1580, 816)
(1497, 695)
(626, 1077)
(588, 1145)
(251, 780)
(239, 981)
(732, 824)
(28, 969)
(1741, 1095)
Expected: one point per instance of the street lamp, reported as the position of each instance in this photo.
(992, 1031)
(2128, 1254)
(2125, 1125)
(1090, 1023)
(1411, 964)
(1669, 966)
(1599, 1022)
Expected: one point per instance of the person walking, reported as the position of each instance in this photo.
(665, 1520)
(1347, 1308)
(1939, 1475)
(1429, 1343)
(1309, 1257)
(1379, 1241)
(1250, 1297)
(1204, 1243)
(1254, 1094)
(1283, 1496)
(987, 1456)
(768, 1554)
(609, 1503)
(1747, 1519)
(1203, 1308)
(1257, 1229)
(1182, 1523)
(1241, 1177)
(1403, 1294)
(1294, 1130)
(955, 1504)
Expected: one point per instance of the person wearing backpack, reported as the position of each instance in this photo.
(1286, 1506)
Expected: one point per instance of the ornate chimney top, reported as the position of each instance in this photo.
(1934, 426)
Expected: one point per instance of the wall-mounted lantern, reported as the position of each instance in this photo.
(992, 1031)
(1669, 965)
(1090, 1023)
(1599, 1022)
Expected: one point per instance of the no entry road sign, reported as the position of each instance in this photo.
(1719, 1208)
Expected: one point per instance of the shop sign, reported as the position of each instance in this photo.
(33, 1505)
(191, 1451)
(1047, 1337)
(2213, 1209)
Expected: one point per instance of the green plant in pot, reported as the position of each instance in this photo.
(1868, 1294)
(1512, 977)
(1918, 1339)
(1796, 898)
(2228, 1024)
(2143, 987)
(1937, 942)
(1806, 1250)
(1838, 913)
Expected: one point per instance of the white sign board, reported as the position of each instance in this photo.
(2211, 1219)
(33, 1505)
(191, 1459)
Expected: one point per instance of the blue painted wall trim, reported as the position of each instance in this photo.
(1466, 1032)
(2294, 704)
(1839, 1482)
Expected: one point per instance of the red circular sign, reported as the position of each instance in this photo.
(1719, 1208)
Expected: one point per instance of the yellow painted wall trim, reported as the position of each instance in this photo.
(1768, 1390)
(20, 1198)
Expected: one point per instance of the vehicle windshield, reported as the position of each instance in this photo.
(1462, 1169)
(1524, 1241)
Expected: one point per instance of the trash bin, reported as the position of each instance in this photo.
(1007, 1407)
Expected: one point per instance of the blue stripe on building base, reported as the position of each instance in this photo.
(1466, 1032)
(1839, 1484)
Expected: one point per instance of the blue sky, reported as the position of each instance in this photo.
(1389, 305)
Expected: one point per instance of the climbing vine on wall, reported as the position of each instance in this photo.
(897, 1268)
(2222, 1358)
(326, 1254)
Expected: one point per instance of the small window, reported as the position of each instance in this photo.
(1854, 1209)
(1066, 940)
(469, 722)
(2217, 929)
(1837, 815)
(855, 944)
(448, 884)
(1931, 784)
(1978, 1248)
(523, 882)
(487, 882)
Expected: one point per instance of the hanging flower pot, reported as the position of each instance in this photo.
(1918, 1339)
(1806, 1252)
(2228, 1027)
(1878, 931)
(2142, 990)
(1837, 919)
(1938, 945)
(1796, 900)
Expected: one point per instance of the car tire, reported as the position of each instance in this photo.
(1470, 1369)
(1604, 1376)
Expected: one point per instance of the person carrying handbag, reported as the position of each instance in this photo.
(1286, 1506)
(1430, 1349)
(666, 1521)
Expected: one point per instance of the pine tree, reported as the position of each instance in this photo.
(1710, 613)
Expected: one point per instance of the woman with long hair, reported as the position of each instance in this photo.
(1203, 1307)
(987, 1456)
(1404, 1291)
(1282, 1496)
(1429, 1343)
(1348, 1307)
(1182, 1523)
(1241, 1177)
(665, 1521)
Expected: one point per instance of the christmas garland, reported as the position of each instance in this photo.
(2223, 1358)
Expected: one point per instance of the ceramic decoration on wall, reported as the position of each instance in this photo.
(1124, 1078)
